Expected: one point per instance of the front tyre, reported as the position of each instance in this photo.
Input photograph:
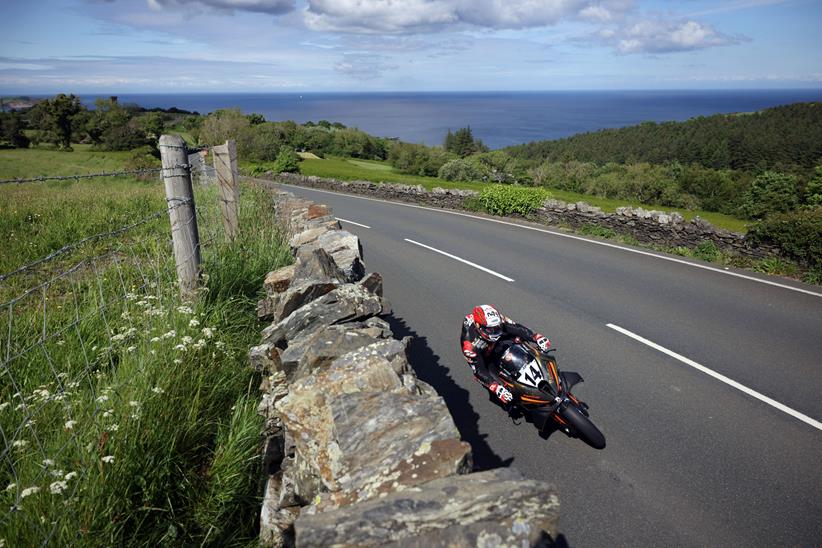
(583, 427)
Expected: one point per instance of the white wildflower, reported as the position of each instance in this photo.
(20, 406)
(108, 413)
(180, 347)
(178, 361)
(48, 462)
(187, 340)
(131, 349)
(208, 332)
(151, 297)
(4, 405)
(108, 459)
(29, 491)
(11, 487)
(169, 335)
(141, 302)
(125, 315)
(19, 444)
(70, 425)
(61, 342)
(158, 390)
(114, 427)
(220, 344)
(154, 339)
(57, 473)
(118, 337)
(131, 296)
(152, 352)
(70, 476)
(134, 403)
(58, 487)
(185, 310)
(199, 345)
(131, 332)
(194, 322)
(102, 399)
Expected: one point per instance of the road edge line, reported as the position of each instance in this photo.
(571, 236)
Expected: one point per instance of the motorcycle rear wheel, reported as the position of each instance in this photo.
(583, 427)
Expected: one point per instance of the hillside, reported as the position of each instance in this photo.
(786, 138)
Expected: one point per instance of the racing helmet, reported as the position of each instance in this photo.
(488, 321)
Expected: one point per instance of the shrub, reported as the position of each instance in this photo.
(287, 162)
(771, 192)
(798, 234)
(597, 231)
(813, 191)
(462, 170)
(707, 251)
(508, 199)
(417, 159)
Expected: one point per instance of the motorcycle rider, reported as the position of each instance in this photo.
(482, 330)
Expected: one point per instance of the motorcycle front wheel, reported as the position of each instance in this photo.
(582, 426)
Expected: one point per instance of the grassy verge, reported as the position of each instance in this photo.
(348, 169)
(128, 416)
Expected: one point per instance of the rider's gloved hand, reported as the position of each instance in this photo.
(501, 392)
(542, 342)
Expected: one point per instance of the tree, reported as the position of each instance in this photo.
(56, 119)
(771, 192)
(255, 119)
(462, 143)
(813, 191)
(11, 129)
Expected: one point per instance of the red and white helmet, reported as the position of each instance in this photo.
(488, 321)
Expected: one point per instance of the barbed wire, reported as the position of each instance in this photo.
(93, 175)
(94, 237)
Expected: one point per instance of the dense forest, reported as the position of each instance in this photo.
(785, 138)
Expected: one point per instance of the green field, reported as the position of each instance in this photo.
(372, 170)
(129, 416)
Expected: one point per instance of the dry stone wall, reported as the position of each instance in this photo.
(646, 226)
(357, 450)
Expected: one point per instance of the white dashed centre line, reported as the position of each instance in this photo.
(460, 259)
(718, 376)
(352, 222)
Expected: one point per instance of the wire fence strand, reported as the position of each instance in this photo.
(92, 175)
(67, 336)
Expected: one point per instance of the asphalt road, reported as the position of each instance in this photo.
(691, 460)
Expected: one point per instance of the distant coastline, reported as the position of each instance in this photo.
(500, 119)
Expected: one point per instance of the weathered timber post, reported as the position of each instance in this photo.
(181, 211)
(225, 162)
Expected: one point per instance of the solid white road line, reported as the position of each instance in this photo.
(761, 397)
(574, 237)
(469, 263)
(352, 222)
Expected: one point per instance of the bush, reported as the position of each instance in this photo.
(462, 170)
(771, 192)
(287, 161)
(417, 159)
(707, 251)
(508, 199)
(798, 234)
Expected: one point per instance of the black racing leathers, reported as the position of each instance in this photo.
(479, 352)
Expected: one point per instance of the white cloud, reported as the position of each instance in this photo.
(274, 7)
(664, 36)
(363, 66)
(412, 16)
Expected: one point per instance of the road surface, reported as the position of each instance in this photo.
(706, 383)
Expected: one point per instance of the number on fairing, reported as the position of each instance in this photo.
(531, 374)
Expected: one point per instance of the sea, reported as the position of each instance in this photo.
(500, 119)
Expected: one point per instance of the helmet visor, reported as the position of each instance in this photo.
(493, 333)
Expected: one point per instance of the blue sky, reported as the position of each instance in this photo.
(145, 46)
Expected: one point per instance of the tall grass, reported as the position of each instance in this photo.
(129, 416)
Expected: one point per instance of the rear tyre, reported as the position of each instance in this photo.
(583, 427)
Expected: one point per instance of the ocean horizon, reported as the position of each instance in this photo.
(500, 119)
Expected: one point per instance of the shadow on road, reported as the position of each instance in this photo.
(427, 366)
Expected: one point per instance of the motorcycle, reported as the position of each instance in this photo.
(541, 390)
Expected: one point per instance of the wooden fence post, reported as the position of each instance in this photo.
(225, 163)
(182, 213)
